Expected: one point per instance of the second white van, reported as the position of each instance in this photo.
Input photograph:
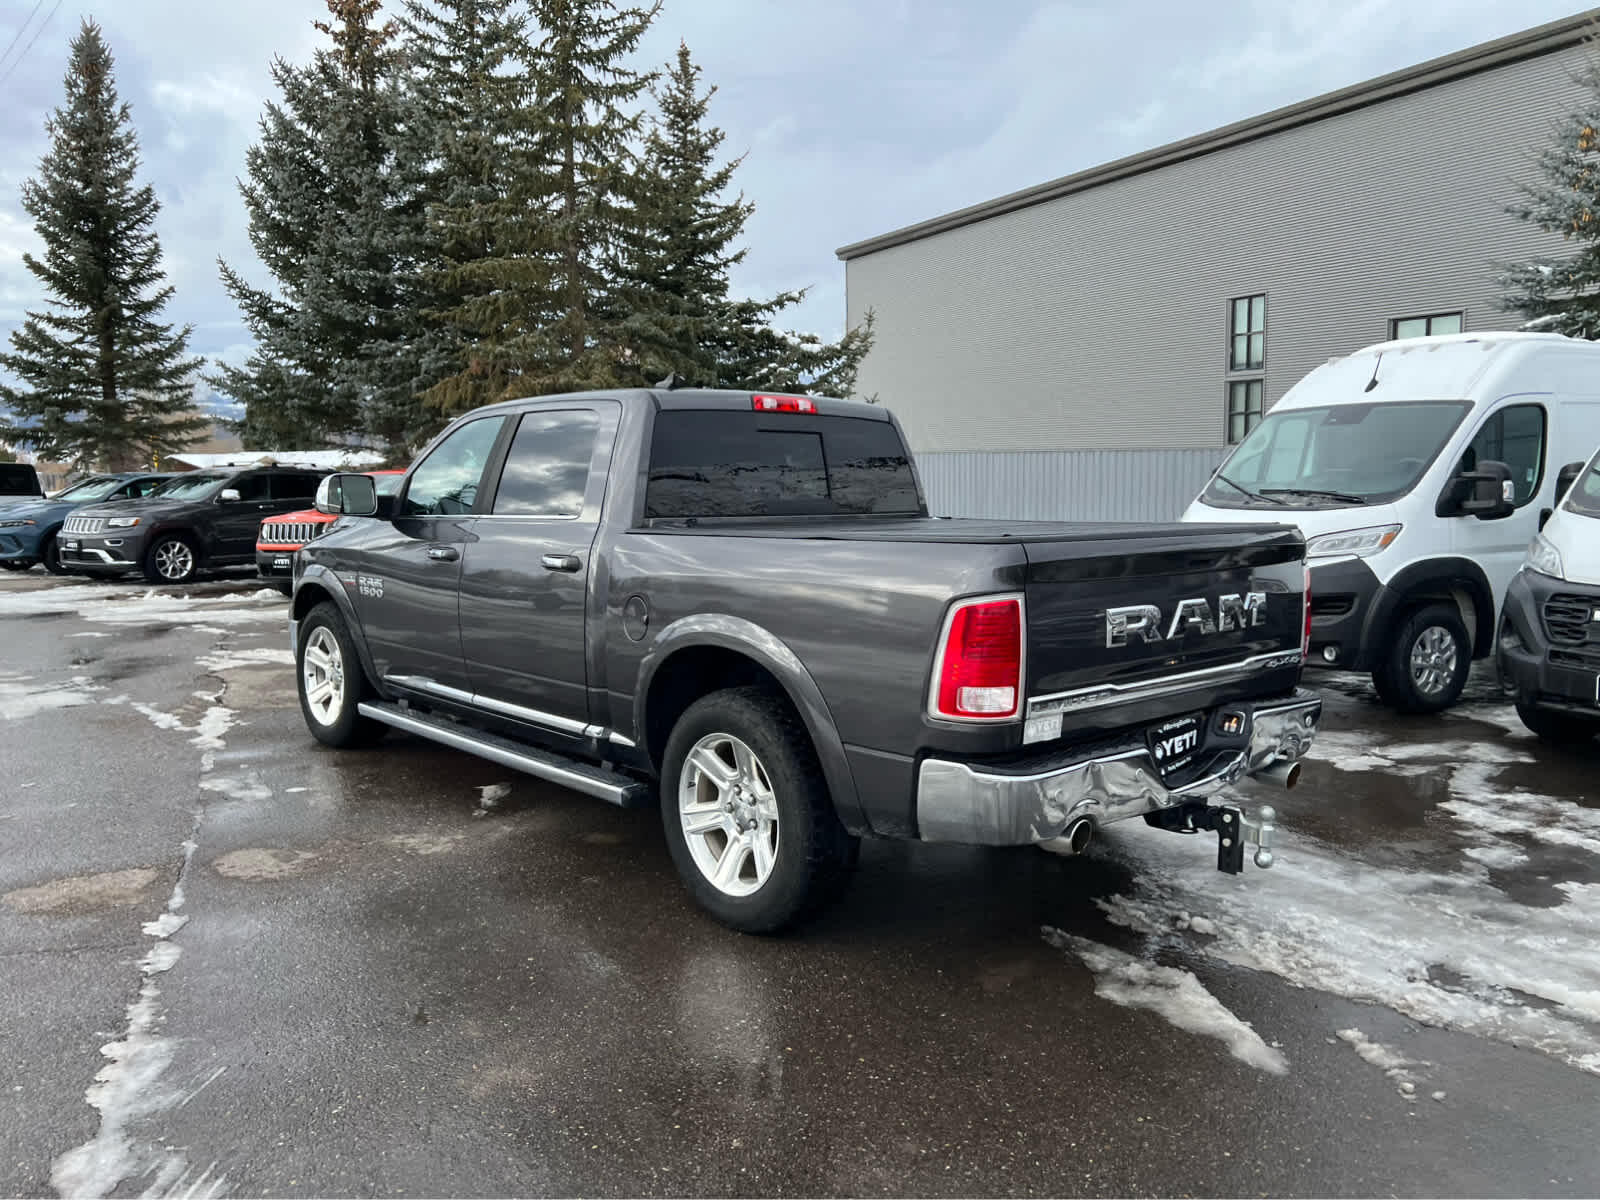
(1418, 471)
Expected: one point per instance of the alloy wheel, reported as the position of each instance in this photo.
(729, 814)
(1433, 660)
(322, 676)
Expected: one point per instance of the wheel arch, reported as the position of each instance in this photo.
(318, 585)
(1456, 581)
(702, 654)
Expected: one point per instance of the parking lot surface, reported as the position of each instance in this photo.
(237, 963)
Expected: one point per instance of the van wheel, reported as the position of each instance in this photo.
(1557, 728)
(749, 820)
(1425, 668)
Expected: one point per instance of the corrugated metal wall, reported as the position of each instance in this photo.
(1066, 485)
(1099, 320)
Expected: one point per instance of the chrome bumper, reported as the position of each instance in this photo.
(958, 802)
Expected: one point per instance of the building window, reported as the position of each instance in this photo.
(1247, 334)
(1244, 408)
(1429, 326)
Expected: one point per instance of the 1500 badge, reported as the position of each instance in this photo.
(370, 585)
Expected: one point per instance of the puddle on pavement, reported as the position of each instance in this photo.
(84, 893)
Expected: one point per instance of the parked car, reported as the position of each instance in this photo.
(1417, 471)
(280, 536)
(29, 530)
(1549, 637)
(193, 521)
(19, 481)
(738, 607)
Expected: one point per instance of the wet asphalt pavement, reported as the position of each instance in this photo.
(301, 972)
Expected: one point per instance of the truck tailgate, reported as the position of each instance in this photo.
(1131, 630)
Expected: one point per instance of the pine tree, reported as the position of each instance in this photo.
(469, 76)
(340, 355)
(674, 260)
(537, 321)
(103, 382)
(1562, 294)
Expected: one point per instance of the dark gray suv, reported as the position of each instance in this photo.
(198, 520)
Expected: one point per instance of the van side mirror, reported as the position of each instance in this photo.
(1565, 478)
(1491, 495)
(347, 495)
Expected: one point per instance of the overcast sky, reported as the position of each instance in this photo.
(857, 116)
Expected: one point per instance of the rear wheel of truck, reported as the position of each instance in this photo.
(749, 820)
(1425, 666)
(1557, 728)
(331, 682)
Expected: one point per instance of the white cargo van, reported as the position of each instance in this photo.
(1419, 472)
(1549, 642)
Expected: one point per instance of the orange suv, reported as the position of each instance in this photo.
(280, 536)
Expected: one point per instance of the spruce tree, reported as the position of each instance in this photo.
(469, 78)
(335, 218)
(538, 318)
(1562, 293)
(674, 258)
(103, 382)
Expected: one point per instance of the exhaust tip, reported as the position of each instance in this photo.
(1292, 776)
(1079, 834)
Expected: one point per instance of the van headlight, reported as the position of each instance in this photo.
(1359, 542)
(1544, 558)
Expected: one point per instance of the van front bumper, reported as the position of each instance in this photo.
(992, 804)
(1560, 674)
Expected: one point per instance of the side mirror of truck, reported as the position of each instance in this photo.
(347, 495)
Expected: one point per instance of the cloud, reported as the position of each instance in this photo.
(857, 118)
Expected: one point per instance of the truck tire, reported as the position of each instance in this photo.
(1425, 666)
(172, 558)
(748, 816)
(331, 682)
(1556, 728)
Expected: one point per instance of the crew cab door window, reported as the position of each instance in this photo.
(1514, 436)
(547, 470)
(446, 483)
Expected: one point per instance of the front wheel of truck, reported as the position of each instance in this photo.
(749, 820)
(331, 682)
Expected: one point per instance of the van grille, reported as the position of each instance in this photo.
(1567, 620)
(83, 525)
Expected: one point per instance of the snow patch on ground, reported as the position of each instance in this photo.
(1174, 995)
(245, 787)
(22, 697)
(128, 1088)
(255, 656)
(125, 606)
(1446, 949)
(1386, 1058)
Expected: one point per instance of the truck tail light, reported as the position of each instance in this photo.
(979, 673)
(794, 404)
(1305, 634)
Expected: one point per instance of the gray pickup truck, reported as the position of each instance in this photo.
(737, 607)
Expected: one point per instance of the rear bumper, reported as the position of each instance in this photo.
(988, 805)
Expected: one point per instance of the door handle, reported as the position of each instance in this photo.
(443, 553)
(561, 562)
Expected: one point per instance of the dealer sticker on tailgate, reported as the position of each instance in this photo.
(1173, 743)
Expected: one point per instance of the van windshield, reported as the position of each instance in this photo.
(1339, 454)
(1583, 496)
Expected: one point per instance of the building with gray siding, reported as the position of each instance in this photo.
(1088, 348)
